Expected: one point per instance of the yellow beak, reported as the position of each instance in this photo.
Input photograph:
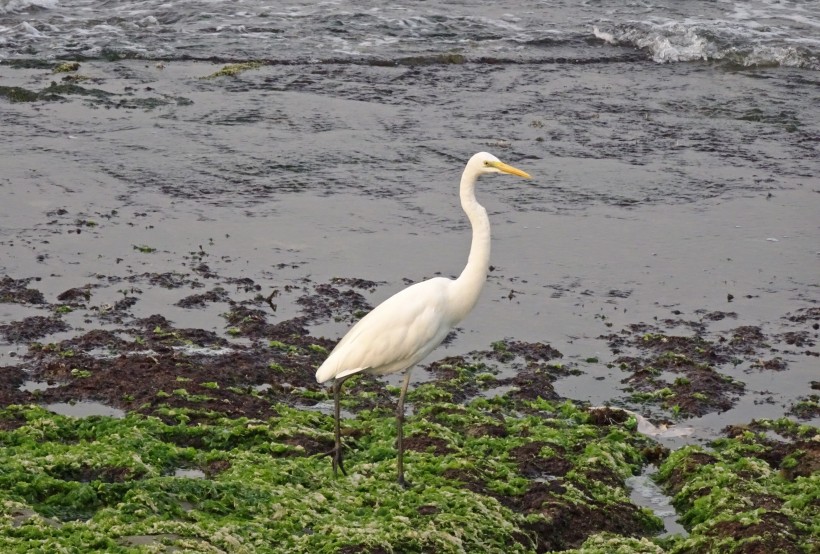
(501, 166)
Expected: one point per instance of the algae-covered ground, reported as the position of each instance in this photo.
(493, 475)
(221, 447)
(484, 479)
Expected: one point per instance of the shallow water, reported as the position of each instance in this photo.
(646, 493)
(84, 408)
(189, 473)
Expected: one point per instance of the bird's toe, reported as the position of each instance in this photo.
(337, 462)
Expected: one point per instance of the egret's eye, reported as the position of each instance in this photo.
(486, 164)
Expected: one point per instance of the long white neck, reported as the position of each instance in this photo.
(467, 288)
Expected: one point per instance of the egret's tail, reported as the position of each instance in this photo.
(326, 371)
(331, 368)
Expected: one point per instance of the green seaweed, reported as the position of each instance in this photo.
(745, 495)
(806, 407)
(234, 69)
(66, 67)
(18, 94)
(92, 484)
(28, 63)
(608, 543)
(95, 97)
(55, 91)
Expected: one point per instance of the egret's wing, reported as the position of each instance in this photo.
(396, 334)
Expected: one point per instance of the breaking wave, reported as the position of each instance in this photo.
(680, 42)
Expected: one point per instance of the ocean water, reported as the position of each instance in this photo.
(756, 33)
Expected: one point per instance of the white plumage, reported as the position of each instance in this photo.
(397, 334)
(405, 328)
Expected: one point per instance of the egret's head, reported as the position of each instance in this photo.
(483, 163)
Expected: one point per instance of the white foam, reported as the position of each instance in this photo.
(748, 43)
(667, 42)
(148, 21)
(683, 46)
(786, 56)
(29, 30)
(606, 37)
(16, 6)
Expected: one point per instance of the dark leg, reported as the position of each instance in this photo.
(400, 428)
(337, 450)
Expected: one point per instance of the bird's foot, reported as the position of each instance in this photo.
(404, 483)
(336, 454)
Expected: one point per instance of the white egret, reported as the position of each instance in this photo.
(405, 328)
